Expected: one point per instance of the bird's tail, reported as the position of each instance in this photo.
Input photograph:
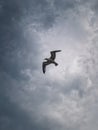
(55, 63)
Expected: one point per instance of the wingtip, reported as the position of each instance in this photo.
(58, 50)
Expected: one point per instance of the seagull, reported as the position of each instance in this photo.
(50, 60)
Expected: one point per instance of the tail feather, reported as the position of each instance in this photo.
(56, 64)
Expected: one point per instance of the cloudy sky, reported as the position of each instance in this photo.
(66, 97)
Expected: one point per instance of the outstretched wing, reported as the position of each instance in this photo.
(44, 64)
(53, 54)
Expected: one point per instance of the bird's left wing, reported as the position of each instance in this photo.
(44, 64)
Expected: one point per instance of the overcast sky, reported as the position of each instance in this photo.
(66, 96)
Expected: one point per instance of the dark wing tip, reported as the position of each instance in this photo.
(56, 51)
(43, 67)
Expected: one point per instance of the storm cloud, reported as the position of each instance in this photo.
(66, 97)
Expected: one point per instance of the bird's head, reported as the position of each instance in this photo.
(46, 59)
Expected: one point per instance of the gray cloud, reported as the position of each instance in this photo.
(31, 100)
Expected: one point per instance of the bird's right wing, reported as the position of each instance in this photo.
(53, 54)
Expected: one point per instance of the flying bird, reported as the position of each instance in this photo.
(50, 60)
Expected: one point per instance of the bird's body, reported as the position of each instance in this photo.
(50, 60)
